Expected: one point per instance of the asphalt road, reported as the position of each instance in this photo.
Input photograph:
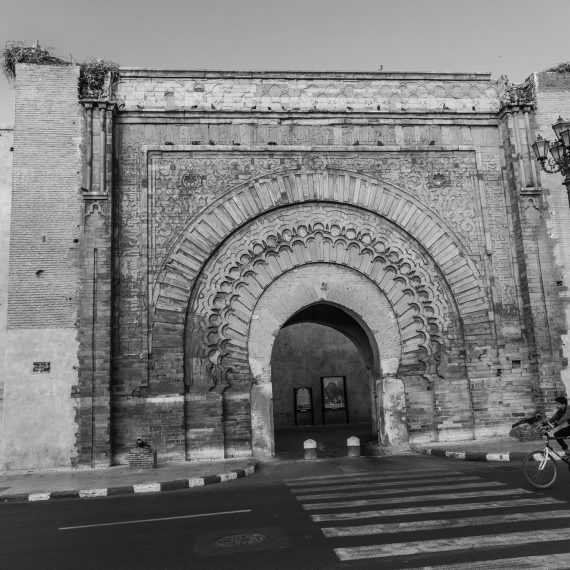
(400, 512)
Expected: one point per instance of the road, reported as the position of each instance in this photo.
(398, 512)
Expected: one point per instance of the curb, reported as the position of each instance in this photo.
(476, 455)
(140, 488)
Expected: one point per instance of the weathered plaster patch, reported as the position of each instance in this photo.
(39, 423)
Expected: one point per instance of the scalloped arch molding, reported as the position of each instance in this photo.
(224, 300)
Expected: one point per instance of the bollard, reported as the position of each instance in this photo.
(353, 447)
(310, 447)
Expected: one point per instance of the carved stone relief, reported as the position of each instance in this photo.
(277, 95)
(225, 294)
(182, 185)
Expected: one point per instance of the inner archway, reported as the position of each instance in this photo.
(323, 381)
(331, 295)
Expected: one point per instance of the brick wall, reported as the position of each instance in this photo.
(46, 203)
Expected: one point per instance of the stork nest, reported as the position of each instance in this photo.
(18, 52)
(561, 67)
(96, 76)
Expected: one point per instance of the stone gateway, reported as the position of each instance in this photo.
(179, 240)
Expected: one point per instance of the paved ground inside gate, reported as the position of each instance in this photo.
(330, 439)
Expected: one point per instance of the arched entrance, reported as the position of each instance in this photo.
(417, 300)
(322, 352)
(349, 301)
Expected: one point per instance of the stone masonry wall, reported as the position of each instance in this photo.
(450, 117)
(541, 310)
(552, 101)
(132, 227)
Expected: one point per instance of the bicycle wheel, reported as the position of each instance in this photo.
(539, 470)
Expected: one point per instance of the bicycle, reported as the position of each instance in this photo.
(539, 467)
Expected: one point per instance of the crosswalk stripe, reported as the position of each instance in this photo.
(511, 503)
(393, 475)
(375, 485)
(447, 544)
(550, 562)
(376, 477)
(400, 491)
(412, 499)
(369, 529)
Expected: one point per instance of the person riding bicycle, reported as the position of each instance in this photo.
(561, 418)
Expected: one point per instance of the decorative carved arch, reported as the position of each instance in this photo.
(249, 203)
(223, 301)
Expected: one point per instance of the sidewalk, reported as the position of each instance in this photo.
(503, 448)
(122, 479)
(119, 480)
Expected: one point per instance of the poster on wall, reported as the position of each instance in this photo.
(334, 392)
(334, 395)
(303, 402)
(303, 399)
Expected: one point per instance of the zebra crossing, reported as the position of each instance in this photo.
(387, 518)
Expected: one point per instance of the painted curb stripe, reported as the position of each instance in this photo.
(209, 479)
(130, 489)
(147, 488)
(498, 457)
(174, 485)
(456, 454)
(88, 493)
(476, 455)
(228, 477)
(125, 490)
(64, 494)
(39, 497)
(15, 498)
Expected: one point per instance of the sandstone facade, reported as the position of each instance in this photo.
(165, 232)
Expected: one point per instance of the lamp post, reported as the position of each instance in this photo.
(559, 159)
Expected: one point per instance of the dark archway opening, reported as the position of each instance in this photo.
(322, 341)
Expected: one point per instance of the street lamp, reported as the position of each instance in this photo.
(559, 160)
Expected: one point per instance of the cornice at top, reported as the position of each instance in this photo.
(140, 72)
(283, 92)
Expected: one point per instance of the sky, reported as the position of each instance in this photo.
(504, 37)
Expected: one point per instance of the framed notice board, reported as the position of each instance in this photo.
(334, 395)
(303, 401)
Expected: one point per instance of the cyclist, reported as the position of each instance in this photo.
(561, 418)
